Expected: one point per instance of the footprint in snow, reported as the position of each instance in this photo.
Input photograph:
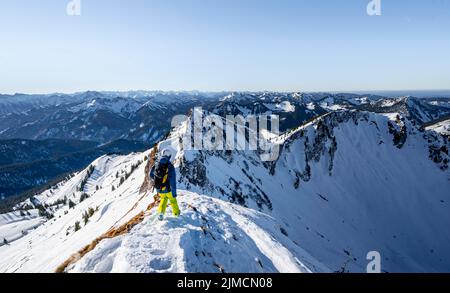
(157, 252)
(160, 264)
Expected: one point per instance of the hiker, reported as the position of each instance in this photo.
(165, 181)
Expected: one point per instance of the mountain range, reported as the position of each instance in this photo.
(132, 121)
(354, 174)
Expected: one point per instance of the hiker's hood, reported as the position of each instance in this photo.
(164, 160)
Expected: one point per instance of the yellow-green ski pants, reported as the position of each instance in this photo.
(165, 197)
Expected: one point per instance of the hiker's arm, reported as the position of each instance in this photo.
(173, 181)
(152, 173)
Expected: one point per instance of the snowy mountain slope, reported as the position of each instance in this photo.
(424, 111)
(442, 127)
(441, 102)
(31, 253)
(215, 237)
(419, 110)
(378, 196)
(210, 236)
(347, 184)
(15, 225)
(344, 184)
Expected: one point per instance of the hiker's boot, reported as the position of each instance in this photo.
(161, 217)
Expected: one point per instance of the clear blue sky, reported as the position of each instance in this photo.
(286, 45)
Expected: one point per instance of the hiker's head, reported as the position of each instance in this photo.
(166, 154)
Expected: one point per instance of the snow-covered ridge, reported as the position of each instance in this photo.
(15, 225)
(211, 236)
(442, 127)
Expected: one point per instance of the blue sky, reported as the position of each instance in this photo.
(213, 45)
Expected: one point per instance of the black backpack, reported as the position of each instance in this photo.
(161, 173)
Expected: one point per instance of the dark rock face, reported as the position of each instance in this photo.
(438, 147)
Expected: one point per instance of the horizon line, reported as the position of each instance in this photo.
(228, 91)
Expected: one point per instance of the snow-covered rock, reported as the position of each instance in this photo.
(442, 127)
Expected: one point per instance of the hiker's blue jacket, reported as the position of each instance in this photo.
(172, 177)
